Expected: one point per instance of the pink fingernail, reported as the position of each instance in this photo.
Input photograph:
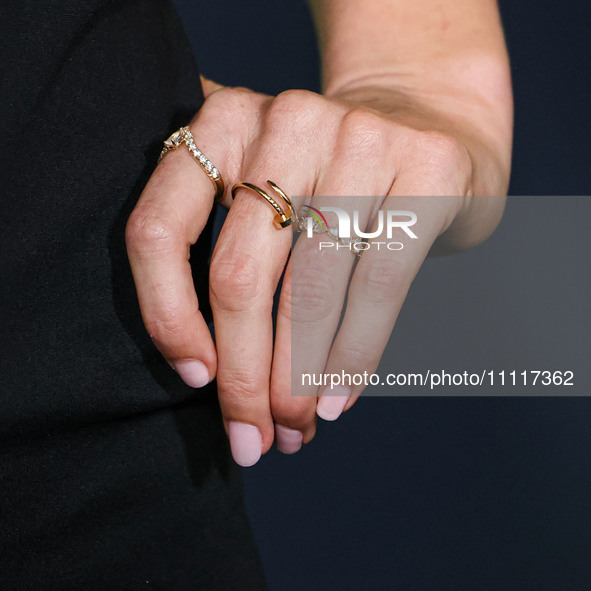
(288, 441)
(332, 403)
(246, 443)
(193, 373)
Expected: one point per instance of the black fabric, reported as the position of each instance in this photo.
(113, 474)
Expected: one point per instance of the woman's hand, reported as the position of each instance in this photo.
(391, 151)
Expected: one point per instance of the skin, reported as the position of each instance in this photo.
(416, 102)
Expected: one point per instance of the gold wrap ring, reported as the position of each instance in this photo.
(282, 220)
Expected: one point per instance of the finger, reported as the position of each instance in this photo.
(294, 411)
(248, 261)
(294, 414)
(245, 269)
(309, 310)
(358, 174)
(168, 218)
(381, 282)
(430, 164)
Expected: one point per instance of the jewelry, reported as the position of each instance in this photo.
(285, 198)
(320, 227)
(184, 135)
(281, 219)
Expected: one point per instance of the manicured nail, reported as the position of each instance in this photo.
(193, 373)
(246, 443)
(331, 405)
(288, 441)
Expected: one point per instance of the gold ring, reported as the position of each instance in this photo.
(285, 198)
(184, 136)
(281, 219)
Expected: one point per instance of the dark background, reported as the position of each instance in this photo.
(449, 493)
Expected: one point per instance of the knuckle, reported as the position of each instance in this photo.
(297, 98)
(295, 107)
(357, 358)
(310, 298)
(381, 278)
(286, 299)
(226, 106)
(364, 131)
(443, 152)
(241, 386)
(152, 232)
(164, 329)
(232, 98)
(234, 281)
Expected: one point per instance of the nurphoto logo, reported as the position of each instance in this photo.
(347, 234)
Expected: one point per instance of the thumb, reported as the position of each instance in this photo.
(209, 86)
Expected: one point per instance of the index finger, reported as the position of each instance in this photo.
(168, 218)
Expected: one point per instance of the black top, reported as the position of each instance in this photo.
(113, 473)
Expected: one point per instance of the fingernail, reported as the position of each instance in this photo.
(246, 443)
(330, 406)
(288, 441)
(193, 373)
